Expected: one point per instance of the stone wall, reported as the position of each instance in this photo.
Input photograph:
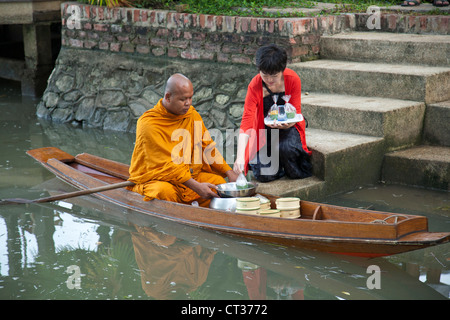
(114, 61)
(110, 91)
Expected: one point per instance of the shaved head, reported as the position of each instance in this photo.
(176, 82)
(178, 94)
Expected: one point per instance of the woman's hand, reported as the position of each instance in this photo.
(239, 165)
(232, 175)
(281, 125)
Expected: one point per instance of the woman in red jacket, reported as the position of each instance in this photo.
(274, 150)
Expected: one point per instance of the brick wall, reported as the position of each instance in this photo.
(217, 38)
(193, 36)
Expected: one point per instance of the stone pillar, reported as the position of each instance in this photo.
(38, 58)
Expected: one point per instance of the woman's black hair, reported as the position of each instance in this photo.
(271, 59)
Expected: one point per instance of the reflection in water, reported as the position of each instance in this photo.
(125, 255)
(170, 268)
(131, 256)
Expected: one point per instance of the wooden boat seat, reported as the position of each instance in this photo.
(110, 167)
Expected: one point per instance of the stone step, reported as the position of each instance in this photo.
(384, 47)
(343, 159)
(398, 121)
(424, 166)
(416, 83)
(311, 188)
(436, 129)
(340, 162)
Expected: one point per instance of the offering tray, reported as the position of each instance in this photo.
(298, 117)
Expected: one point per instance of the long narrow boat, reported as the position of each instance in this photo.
(321, 227)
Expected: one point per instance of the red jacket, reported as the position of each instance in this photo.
(253, 117)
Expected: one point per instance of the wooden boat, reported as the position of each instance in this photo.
(321, 227)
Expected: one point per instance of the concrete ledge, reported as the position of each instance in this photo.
(21, 12)
(425, 166)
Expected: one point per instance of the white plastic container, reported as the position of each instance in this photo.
(292, 214)
(248, 211)
(248, 203)
(289, 203)
(270, 213)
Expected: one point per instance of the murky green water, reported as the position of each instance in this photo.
(86, 248)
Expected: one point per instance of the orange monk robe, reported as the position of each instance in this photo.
(170, 149)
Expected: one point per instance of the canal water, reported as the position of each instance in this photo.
(87, 249)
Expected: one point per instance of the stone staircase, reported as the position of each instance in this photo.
(378, 107)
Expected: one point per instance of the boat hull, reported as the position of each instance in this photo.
(321, 227)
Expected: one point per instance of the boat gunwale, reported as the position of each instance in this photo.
(106, 172)
(235, 227)
(412, 240)
(138, 206)
(85, 159)
(407, 217)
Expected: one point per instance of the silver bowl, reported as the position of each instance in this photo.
(227, 204)
(230, 190)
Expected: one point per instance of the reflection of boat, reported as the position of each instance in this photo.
(322, 227)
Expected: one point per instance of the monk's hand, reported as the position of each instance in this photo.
(205, 190)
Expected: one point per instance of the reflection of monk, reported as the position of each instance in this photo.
(169, 273)
(174, 157)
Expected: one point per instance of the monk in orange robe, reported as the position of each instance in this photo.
(174, 157)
